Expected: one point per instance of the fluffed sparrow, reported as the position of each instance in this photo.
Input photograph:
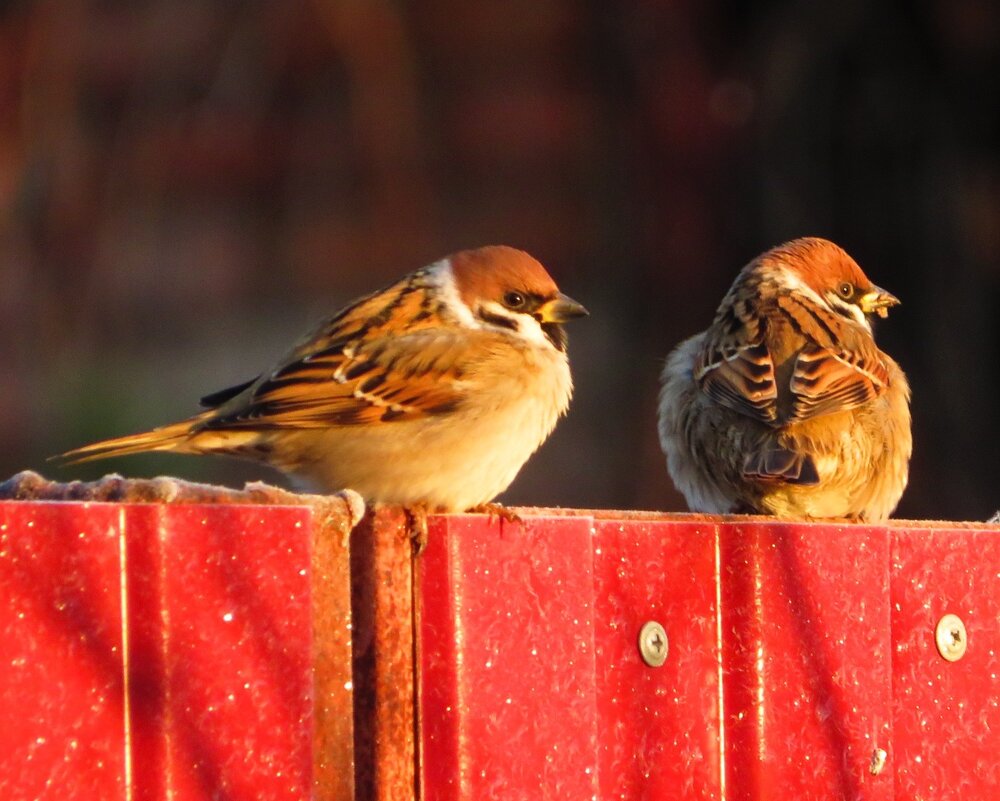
(432, 392)
(785, 406)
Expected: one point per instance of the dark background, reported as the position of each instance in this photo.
(187, 186)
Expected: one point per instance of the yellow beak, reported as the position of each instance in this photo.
(560, 309)
(878, 301)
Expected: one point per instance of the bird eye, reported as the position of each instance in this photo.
(513, 300)
(846, 290)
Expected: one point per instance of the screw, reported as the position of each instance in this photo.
(877, 761)
(653, 643)
(951, 638)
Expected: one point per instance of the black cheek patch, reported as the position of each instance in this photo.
(556, 334)
(498, 320)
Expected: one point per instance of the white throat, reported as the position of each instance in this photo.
(443, 277)
(485, 314)
(788, 279)
(852, 310)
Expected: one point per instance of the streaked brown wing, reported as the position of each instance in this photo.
(744, 382)
(826, 380)
(735, 368)
(355, 370)
(387, 379)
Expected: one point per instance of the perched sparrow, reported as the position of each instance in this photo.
(432, 392)
(785, 406)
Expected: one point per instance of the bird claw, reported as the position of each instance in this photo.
(497, 510)
(416, 517)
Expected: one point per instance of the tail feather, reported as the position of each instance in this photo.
(781, 465)
(166, 438)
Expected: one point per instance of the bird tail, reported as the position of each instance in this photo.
(782, 465)
(172, 437)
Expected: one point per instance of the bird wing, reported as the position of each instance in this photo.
(826, 380)
(734, 367)
(220, 397)
(839, 367)
(357, 369)
(836, 366)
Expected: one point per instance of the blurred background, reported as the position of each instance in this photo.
(187, 186)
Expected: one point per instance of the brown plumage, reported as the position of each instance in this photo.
(785, 405)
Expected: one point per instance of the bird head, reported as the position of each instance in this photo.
(821, 268)
(507, 289)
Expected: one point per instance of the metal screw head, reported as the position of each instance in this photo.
(653, 644)
(951, 638)
(877, 761)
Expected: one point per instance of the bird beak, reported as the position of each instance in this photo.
(560, 309)
(878, 301)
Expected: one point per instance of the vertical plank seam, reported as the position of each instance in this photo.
(720, 666)
(126, 661)
(415, 656)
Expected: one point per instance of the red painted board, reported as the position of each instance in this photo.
(206, 690)
(946, 715)
(657, 726)
(806, 660)
(225, 615)
(796, 653)
(62, 725)
(507, 694)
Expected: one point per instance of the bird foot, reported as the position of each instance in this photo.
(416, 517)
(505, 513)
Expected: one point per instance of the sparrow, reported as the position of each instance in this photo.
(785, 406)
(432, 392)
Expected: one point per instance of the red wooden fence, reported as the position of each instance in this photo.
(218, 651)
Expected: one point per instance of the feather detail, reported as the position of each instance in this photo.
(358, 369)
(734, 367)
(174, 437)
(825, 381)
(835, 366)
(220, 397)
(742, 380)
(367, 383)
(781, 464)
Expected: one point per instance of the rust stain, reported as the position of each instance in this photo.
(333, 682)
(384, 705)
